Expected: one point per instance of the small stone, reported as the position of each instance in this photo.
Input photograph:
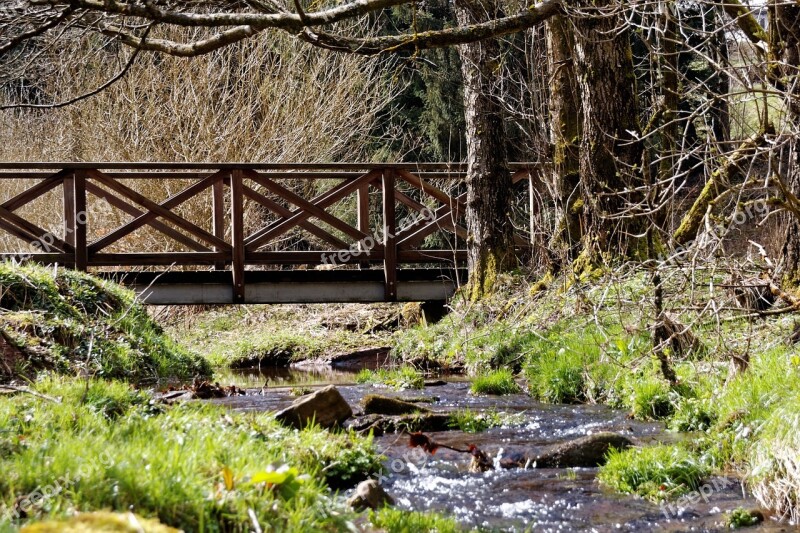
(325, 407)
(375, 404)
(369, 495)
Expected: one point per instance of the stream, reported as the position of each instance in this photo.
(516, 499)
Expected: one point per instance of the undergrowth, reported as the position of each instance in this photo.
(72, 323)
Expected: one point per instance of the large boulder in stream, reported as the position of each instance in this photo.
(325, 407)
(375, 404)
(585, 452)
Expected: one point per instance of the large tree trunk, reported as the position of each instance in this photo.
(611, 156)
(490, 240)
(565, 121)
(785, 76)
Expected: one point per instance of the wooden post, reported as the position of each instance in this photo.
(532, 209)
(363, 222)
(237, 235)
(76, 218)
(389, 236)
(218, 216)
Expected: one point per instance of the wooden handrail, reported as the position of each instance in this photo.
(221, 242)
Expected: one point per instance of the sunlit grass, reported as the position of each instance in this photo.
(192, 466)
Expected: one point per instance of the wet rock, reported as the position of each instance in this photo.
(585, 452)
(370, 358)
(375, 404)
(380, 424)
(422, 399)
(369, 495)
(435, 383)
(325, 407)
(363, 423)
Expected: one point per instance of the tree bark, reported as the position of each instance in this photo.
(611, 154)
(784, 37)
(490, 233)
(565, 112)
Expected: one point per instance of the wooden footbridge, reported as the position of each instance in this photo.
(245, 233)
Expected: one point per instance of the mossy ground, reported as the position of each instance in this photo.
(71, 323)
(276, 335)
(591, 342)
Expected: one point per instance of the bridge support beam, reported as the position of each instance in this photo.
(237, 230)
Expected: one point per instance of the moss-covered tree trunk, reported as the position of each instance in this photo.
(785, 75)
(611, 155)
(490, 236)
(565, 112)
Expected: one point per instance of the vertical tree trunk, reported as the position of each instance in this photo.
(611, 155)
(565, 121)
(785, 75)
(490, 240)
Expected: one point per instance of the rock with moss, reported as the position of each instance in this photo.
(585, 452)
(100, 522)
(54, 319)
(375, 404)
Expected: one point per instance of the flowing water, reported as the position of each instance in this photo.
(519, 499)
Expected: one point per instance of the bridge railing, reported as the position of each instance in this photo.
(374, 234)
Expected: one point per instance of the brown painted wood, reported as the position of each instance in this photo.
(157, 258)
(322, 201)
(362, 215)
(29, 231)
(442, 219)
(389, 236)
(122, 205)
(283, 212)
(80, 219)
(218, 215)
(196, 175)
(237, 235)
(162, 166)
(49, 183)
(69, 210)
(308, 207)
(154, 210)
(430, 190)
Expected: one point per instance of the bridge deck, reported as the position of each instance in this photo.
(289, 286)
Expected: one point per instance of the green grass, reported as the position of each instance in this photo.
(651, 399)
(69, 322)
(470, 421)
(251, 336)
(403, 377)
(399, 521)
(656, 472)
(498, 382)
(197, 467)
(740, 517)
